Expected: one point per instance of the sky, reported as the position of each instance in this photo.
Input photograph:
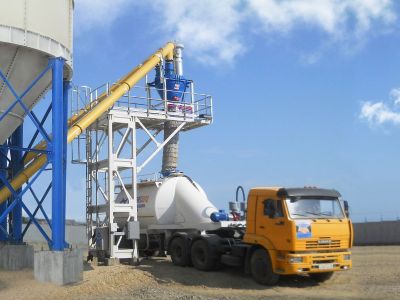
(306, 92)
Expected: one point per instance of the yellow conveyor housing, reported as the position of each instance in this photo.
(79, 122)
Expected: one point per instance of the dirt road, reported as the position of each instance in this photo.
(375, 275)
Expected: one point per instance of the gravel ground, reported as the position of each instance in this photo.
(375, 275)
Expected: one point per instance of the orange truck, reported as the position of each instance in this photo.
(304, 231)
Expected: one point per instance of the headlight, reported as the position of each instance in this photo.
(296, 260)
(347, 257)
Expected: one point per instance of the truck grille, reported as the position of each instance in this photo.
(323, 244)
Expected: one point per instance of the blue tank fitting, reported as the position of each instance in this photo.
(219, 216)
(176, 85)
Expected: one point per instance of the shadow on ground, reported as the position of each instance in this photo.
(232, 278)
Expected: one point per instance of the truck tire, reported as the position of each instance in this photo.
(179, 252)
(321, 277)
(202, 258)
(261, 268)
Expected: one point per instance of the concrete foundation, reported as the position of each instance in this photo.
(112, 261)
(59, 267)
(16, 257)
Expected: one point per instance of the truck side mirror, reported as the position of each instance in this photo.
(346, 208)
(269, 208)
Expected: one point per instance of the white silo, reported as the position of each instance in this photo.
(31, 32)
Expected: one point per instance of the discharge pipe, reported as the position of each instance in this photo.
(90, 114)
(171, 149)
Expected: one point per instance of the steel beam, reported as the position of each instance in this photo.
(3, 206)
(16, 166)
(58, 155)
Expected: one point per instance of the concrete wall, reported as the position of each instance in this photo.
(377, 233)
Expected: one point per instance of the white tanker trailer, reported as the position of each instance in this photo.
(175, 206)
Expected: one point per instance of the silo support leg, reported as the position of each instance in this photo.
(13, 254)
(3, 206)
(16, 166)
(59, 265)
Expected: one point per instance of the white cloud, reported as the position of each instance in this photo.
(215, 30)
(218, 30)
(395, 94)
(95, 14)
(380, 113)
(211, 29)
(331, 16)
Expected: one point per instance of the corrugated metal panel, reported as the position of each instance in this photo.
(377, 233)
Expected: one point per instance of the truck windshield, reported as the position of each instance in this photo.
(307, 207)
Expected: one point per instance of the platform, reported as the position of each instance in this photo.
(117, 147)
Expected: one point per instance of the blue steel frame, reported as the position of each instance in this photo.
(12, 155)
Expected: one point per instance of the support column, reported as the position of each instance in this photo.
(110, 186)
(66, 88)
(58, 157)
(16, 167)
(59, 265)
(3, 206)
(15, 255)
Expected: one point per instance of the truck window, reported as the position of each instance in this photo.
(273, 208)
(314, 207)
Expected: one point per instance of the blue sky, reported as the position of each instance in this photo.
(305, 92)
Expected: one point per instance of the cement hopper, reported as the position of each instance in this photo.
(31, 32)
(172, 201)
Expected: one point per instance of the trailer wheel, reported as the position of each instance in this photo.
(202, 258)
(321, 277)
(179, 252)
(261, 268)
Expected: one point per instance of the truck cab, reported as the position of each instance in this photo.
(297, 231)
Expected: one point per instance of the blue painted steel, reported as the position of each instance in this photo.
(18, 99)
(3, 206)
(19, 195)
(39, 203)
(176, 85)
(22, 149)
(4, 214)
(37, 209)
(36, 134)
(16, 195)
(44, 234)
(58, 156)
(66, 90)
(16, 166)
(221, 215)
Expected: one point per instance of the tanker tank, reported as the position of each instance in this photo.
(31, 32)
(175, 200)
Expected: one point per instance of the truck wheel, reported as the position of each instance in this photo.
(179, 252)
(202, 257)
(261, 268)
(321, 277)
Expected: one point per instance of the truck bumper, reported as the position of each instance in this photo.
(304, 263)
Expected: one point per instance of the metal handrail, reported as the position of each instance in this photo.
(139, 98)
